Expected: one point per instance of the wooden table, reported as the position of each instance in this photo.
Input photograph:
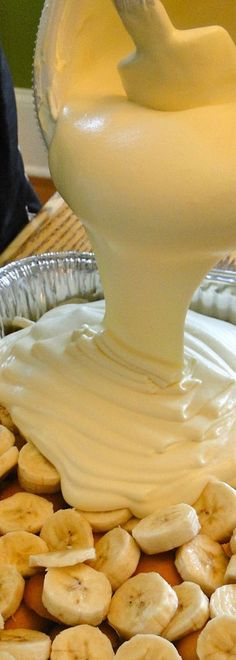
(54, 229)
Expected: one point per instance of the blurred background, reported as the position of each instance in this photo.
(19, 20)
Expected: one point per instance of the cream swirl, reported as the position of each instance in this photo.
(116, 436)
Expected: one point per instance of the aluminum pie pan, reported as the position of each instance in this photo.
(30, 287)
(216, 296)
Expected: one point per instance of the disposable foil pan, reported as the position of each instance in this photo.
(216, 296)
(30, 287)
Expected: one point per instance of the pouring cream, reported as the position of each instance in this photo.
(139, 405)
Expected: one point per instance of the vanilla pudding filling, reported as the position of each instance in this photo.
(134, 399)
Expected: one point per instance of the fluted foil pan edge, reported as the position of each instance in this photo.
(216, 296)
(30, 287)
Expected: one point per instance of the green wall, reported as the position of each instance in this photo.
(18, 26)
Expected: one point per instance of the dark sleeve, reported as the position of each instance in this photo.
(16, 194)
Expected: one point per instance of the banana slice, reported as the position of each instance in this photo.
(1, 626)
(192, 612)
(203, 561)
(6, 420)
(35, 473)
(8, 460)
(77, 594)
(232, 543)
(24, 511)
(7, 439)
(218, 639)
(164, 530)
(103, 521)
(67, 532)
(130, 524)
(90, 642)
(143, 647)
(216, 509)
(16, 547)
(62, 558)
(20, 322)
(223, 601)
(12, 587)
(25, 644)
(230, 573)
(117, 555)
(143, 604)
(227, 549)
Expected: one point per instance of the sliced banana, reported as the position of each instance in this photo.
(67, 530)
(25, 644)
(164, 530)
(232, 542)
(7, 439)
(103, 521)
(117, 555)
(8, 460)
(223, 601)
(16, 547)
(227, 549)
(88, 641)
(130, 524)
(143, 604)
(6, 420)
(24, 511)
(20, 322)
(216, 509)
(35, 473)
(143, 647)
(1, 626)
(218, 639)
(203, 561)
(62, 558)
(192, 612)
(12, 587)
(230, 573)
(77, 594)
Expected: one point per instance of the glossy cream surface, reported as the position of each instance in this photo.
(117, 438)
(133, 401)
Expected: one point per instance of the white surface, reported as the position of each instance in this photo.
(30, 140)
